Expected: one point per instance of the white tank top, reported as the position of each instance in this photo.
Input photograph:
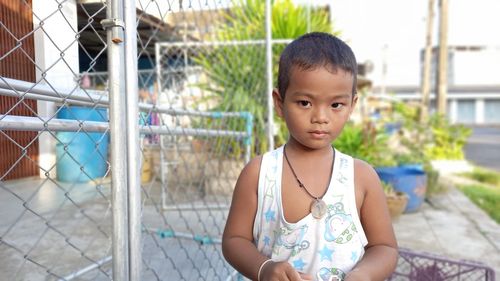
(325, 248)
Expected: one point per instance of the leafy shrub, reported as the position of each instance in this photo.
(484, 176)
(448, 140)
(366, 142)
(236, 73)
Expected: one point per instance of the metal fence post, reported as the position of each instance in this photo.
(114, 25)
(269, 71)
(133, 153)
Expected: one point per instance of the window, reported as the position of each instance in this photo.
(466, 111)
(492, 111)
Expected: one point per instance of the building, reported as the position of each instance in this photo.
(391, 34)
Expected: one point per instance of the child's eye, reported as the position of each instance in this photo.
(304, 103)
(337, 105)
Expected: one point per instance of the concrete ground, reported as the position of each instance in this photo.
(450, 225)
(45, 236)
(60, 231)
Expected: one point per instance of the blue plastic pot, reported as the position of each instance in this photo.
(81, 156)
(409, 180)
(419, 167)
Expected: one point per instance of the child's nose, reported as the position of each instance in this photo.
(320, 115)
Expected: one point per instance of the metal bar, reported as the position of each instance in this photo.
(44, 90)
(133, 151)
(26, 123)
(104, 73)
(118, 135)
(191, 132)
(30, 96)
(185, 112)
(248, 153)
(158, 66)
(175, 234)
(195, 207)
(84, 270)
(223, 43)
(8, 87)
(249, 131)
(269, 77)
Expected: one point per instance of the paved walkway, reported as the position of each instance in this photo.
(451, 225)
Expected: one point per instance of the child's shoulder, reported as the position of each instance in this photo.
(364, 174)
(362, 166)
(252, 168)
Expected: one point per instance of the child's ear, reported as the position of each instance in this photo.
(278, 103)
(353, 103)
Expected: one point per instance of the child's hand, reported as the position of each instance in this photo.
(282, 271)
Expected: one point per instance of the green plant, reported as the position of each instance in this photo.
(236, 73)
(388, 188)
(484, 176)
(433, 185)
(413, 135)
(433, 139)
(487, 198)
(366, 142)
(447, 140)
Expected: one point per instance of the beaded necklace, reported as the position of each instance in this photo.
(318, 206)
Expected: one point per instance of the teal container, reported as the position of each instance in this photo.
(81, 156)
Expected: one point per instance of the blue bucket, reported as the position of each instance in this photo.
(419, 167)
(81, 156)
(411, 181)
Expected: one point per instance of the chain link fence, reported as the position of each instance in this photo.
(124, 126)
(67, 190)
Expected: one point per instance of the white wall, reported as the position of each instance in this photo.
(477, 68)
(54, 37)
(400, 25)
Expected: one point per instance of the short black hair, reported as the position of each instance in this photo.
(313, 50)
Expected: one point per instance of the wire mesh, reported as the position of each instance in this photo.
(56, 219)
(185, 201)
(428, 267)
(202, 94)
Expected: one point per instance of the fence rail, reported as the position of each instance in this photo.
(135, 179)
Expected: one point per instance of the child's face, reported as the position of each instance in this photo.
(316, 106)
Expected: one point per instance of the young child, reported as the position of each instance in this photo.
(305, 211)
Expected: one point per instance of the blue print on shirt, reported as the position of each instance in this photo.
(270, 215)
(339, 226)
(326, 254)
(299, 264)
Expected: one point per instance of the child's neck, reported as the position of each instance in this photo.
(298, 150)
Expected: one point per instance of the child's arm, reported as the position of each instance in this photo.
(381, 252)
(237, 241)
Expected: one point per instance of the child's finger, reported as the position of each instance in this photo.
(293, 275)
(305, 276)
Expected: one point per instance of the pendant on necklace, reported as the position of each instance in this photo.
(318, 208)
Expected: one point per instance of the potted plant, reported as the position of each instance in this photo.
(396, 200)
